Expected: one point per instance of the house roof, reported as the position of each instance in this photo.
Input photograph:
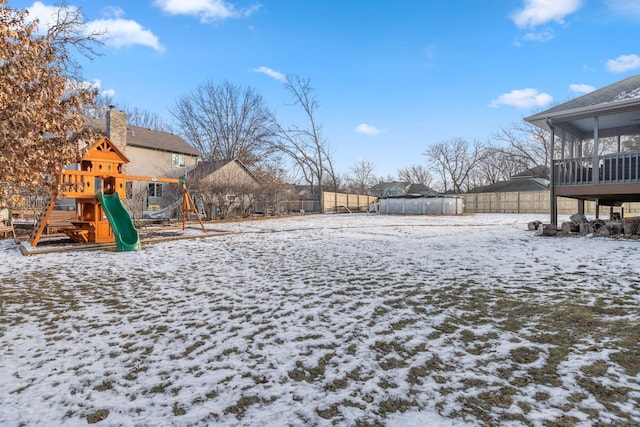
(207, 167)
(420, 189)
(406, 187)
(539, 171)
(522, 184)
(617, 107)
(147, 138)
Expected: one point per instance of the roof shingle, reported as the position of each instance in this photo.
(147, 138)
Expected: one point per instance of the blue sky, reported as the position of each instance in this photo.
(391, 77)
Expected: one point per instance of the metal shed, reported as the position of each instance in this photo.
(421, 205)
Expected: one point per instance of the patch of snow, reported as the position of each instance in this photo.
(309, 320)
(630, 94)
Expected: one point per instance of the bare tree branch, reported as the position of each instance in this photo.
(454, 160)
(306, 146)
(416, 174)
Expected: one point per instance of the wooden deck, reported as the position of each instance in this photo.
(617, 178)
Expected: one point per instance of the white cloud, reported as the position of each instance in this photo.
(538, 12)
(207, 10)
(125, 33)
(625, 8)
(108, 93)
(271, 73)
(118, 32)
(581, 88)
(112, 11)
(623, 63)
(366, 129)
(539, 36)
(522, 98)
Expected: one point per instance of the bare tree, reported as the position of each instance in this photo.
(383, 179)
(136, 200)
(454, 160)
(135, 116)
(225, 122)
(99, 107)
(525, 142)
(332, 179)
(70, 31)
(416, 174)
(41, 125)
(147, 119)
(273, 177)
(305, 145)
(361, 177)
(497, 165)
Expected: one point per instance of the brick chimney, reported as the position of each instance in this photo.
(117, 127)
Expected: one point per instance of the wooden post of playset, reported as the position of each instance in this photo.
(189, 206)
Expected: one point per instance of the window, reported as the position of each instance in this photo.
(155, 189)
(128, 188)
(178, 161)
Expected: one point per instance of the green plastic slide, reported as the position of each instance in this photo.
(127, 238)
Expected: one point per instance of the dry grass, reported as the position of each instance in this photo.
(486, 352)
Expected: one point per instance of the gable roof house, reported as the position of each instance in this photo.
(594, 143)
(224, 187)
(528, 180)
(151, 153)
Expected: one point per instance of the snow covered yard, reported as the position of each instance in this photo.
(350, 320)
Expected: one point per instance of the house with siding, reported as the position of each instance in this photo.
(224, 188)
(151, 153)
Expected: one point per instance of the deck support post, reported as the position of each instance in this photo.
(553, 203)
(595, 163)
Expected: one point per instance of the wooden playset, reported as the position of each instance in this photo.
(98, 189)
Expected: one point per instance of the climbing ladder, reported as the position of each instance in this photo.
(42, 220)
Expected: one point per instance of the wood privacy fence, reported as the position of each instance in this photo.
(343, 202)
(530, 202)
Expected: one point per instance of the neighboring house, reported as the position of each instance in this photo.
(151, 153)
(395, 188)
(524, 181)
(579, 130)
(224, 187)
